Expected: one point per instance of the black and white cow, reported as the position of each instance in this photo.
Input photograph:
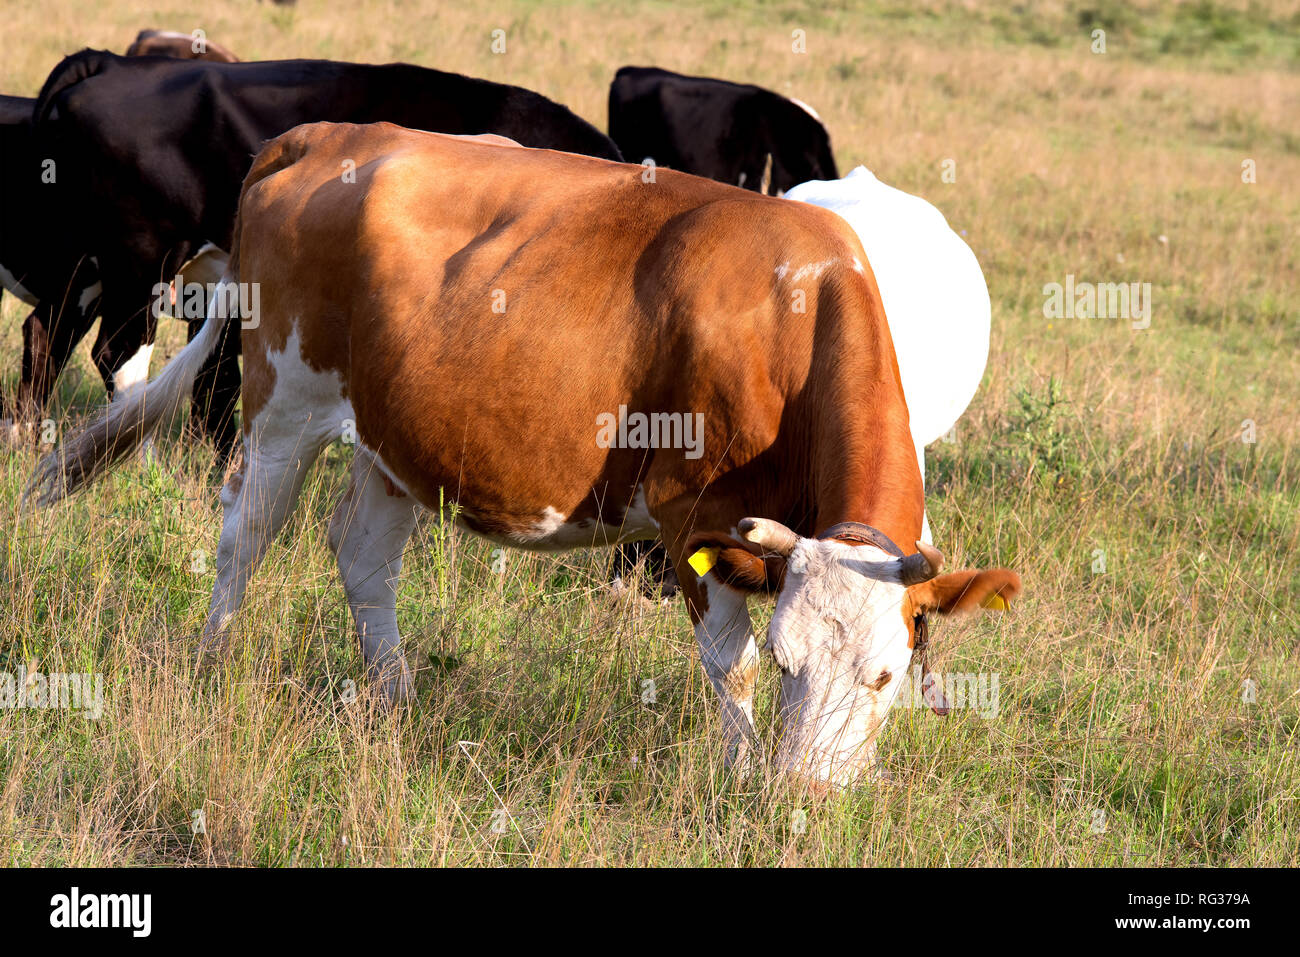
(150, 154)
(732, 132)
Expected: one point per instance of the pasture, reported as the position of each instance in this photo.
(1144, 481)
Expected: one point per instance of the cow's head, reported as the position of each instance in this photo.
(847, 612)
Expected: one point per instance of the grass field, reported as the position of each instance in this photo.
(1146, 482)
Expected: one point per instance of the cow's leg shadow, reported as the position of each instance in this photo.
(368, 533)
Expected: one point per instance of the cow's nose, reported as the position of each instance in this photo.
(820, 780)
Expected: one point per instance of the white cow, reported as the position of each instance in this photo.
(935, 297)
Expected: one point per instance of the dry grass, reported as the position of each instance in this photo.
(1122, 693)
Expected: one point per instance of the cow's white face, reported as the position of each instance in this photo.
(842, 643)
(841, 631)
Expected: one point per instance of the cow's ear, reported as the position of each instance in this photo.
(992, 589)
(733, 563)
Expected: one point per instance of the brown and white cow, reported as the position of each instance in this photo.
(477, 310)
(179, 46)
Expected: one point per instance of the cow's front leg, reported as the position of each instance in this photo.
(122, 349)
(49, 337)
(729, 656)
(368, 534)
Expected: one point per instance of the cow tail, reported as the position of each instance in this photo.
(133, 415)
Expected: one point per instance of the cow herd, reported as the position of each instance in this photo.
(472, 306)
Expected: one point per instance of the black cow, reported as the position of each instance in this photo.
(732, 132)
(150, 155)
(24, 187)
(18, 165)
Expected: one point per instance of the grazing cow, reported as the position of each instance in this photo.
(150, 154)
(732, 132)
(181, 46)
(481, 313)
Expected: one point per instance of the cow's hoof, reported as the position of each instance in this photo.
(15, 435)
(619, 591)
(209, 653)
(743, 760)
(879, 774)
(392, 684)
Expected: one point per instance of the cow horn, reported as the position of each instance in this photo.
(772, 536)
(765, 183)
(922, 566)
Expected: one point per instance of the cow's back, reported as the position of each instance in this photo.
(179, 134)
(508, 295)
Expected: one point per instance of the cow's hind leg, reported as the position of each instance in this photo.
(257, 498)
(368, 534)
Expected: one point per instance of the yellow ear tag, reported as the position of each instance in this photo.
(703, 560)
(994, 603)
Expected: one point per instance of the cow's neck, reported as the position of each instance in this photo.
(866, 467)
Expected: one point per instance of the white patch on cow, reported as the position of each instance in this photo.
(306, 409)
(806, 108)
(812, 270)
(304, 401)
(11, 283)
(551, 522)
(857, 265)
(134, 371)
(552, 529)
(638, 519)
(836, 631)
(781, 270)
(89, 295)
